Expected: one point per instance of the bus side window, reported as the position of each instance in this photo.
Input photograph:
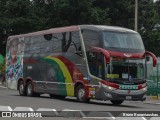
(35, 48)
(71, 42)
(75, 45)
(90, 38)
(46, 45)
(27, 44)
(52, 43)
(49, 46)
(35, 44)
(57, 42)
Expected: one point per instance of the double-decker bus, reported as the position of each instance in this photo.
(86, 61)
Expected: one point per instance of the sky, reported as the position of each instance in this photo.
(156, 0)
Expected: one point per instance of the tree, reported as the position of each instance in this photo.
(74, 12)
(23, 16)
(121, 12)
(2, 67)
(148, 19)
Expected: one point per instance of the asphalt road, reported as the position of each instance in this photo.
(96, 109)
(11, 98)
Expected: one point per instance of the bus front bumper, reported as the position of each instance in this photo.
(130, 95)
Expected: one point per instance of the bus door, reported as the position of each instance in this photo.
(96, 64)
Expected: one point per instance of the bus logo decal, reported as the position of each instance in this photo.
(127, 54)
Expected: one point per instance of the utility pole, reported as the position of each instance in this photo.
(136, 15)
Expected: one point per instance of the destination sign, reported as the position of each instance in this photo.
(128, 87)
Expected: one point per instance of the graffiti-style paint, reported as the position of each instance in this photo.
(14, 58)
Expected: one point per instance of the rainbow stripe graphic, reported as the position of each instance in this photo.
(63, 75)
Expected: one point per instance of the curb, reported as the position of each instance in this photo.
(48, 112)
(5, 108)
(152, 103)
(3, 85)
(23, 109)
(71, 113)
(155, 97)
(100, 115)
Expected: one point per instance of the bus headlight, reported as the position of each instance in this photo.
(108, 87)
(144, 89)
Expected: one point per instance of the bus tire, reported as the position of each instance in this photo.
(21, 88)
(116, 102)
(30, 91)
(81, 94)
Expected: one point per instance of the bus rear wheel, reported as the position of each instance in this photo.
(81, 94)
(30, 91)
(116, 102)
(21, 88)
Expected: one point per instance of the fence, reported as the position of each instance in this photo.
(153, 79)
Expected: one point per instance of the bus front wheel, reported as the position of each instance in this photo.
(81, 94)
(21, 89)
(116, 102)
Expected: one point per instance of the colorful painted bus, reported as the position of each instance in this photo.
(86, 61)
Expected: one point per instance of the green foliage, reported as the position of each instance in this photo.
(121, 12)
(148, 20)
(2, 68)
(99, 16)
(23, 16)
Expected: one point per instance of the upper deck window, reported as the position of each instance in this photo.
(90, 38)
(123, 41)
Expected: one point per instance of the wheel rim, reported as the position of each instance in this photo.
(29, 90)
(21, 88)
(81, 94)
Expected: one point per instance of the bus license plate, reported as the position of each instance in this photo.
(128, 97)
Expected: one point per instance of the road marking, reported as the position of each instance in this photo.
(71, 113)
(5, 108)
(100, 115)
(23, 109)
(2, 86)
(151, 103)
(144, 118)
(48, 112)
(107, 118)
(70, 110)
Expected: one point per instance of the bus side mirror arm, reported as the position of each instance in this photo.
(103, 51)
(153, 57)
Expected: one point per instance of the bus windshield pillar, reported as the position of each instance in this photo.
(103, 51)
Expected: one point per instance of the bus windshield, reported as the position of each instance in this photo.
(123, 42)
(126, 69)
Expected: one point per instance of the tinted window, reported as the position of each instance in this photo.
(52, 43)
(35, 44)
(119, 41)
(90, 38)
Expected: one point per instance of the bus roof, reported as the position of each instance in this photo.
(49, 31)
(74, 28)
(106, 28)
